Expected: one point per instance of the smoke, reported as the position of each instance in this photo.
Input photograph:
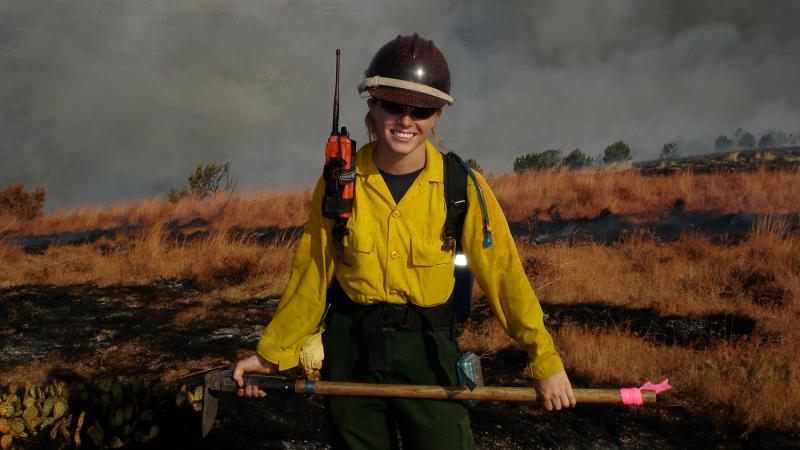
(102, 101)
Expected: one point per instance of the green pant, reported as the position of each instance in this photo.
(425, 356)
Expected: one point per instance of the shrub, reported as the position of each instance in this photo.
(616, 152)
(669, 151)
(577, 159)
(205, 182)
(474, 165)
(723, 143)
(174, 196)
(747, 141)
(773, 139)
(548, 159)
(20, 204)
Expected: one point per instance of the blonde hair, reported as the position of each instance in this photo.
(372, 130)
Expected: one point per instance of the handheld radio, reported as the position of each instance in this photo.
(339, 174)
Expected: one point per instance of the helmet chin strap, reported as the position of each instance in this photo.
(376, 81)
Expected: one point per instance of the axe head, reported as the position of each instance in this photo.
(222, 381)
(210, 405)
(218, 380)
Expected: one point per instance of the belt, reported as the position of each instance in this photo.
(393, 316)
(386, 317)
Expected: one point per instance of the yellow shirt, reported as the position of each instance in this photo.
(395, 255)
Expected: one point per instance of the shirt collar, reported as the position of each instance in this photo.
(433, 170)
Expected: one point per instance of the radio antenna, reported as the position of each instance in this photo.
(336, 96)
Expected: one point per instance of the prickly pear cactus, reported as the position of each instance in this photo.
(18, 427)
(6, 441)
(33, 410)
(96, 434)
(76, 437)
(108, 413)
(6, 409)
(60, 406)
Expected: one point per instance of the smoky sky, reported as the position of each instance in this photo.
(106, 101)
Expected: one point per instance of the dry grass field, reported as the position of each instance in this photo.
(750, 378)
(753, 378)
(533, 196)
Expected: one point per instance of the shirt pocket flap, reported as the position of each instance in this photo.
(428, 252)
(360, 242)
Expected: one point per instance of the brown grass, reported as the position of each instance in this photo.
(484, 337)
(690, 276)
(220, 262)
(566, 194)
(750, 381)
(247, 210)
(532, 196)
(755, 383)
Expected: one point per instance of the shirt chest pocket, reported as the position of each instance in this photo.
(359, 242)
(428, 252)
(432, 269)
(362, 272)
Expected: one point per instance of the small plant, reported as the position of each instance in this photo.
(20, 204)
(616, 153)
(205, 182)
(548, 159)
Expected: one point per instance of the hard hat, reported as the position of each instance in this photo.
(409, 70)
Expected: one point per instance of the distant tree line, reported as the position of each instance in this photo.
(744, 140)
(620, 152)
(617, 152)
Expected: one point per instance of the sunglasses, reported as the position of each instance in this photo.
(417, 112)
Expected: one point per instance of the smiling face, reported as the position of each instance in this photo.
(401, 137)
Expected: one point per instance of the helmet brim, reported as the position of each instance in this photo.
(406, 97)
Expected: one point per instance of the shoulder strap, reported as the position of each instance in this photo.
(455, 193)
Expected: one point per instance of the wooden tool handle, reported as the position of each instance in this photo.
(486, 393)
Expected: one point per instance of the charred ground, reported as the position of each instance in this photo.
(131, 332)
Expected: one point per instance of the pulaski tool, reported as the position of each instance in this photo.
(220, 381)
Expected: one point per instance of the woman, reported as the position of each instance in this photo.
(390, 319)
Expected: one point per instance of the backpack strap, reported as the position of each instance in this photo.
(455, 194)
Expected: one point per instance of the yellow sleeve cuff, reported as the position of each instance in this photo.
(285, 360)
(546, 367)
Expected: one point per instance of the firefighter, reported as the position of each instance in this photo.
(384, 296)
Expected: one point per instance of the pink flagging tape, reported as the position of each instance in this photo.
(633, 396)
(659, 388)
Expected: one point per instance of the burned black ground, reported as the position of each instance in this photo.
(83, 324)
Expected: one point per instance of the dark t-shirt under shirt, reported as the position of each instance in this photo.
(399, 184)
